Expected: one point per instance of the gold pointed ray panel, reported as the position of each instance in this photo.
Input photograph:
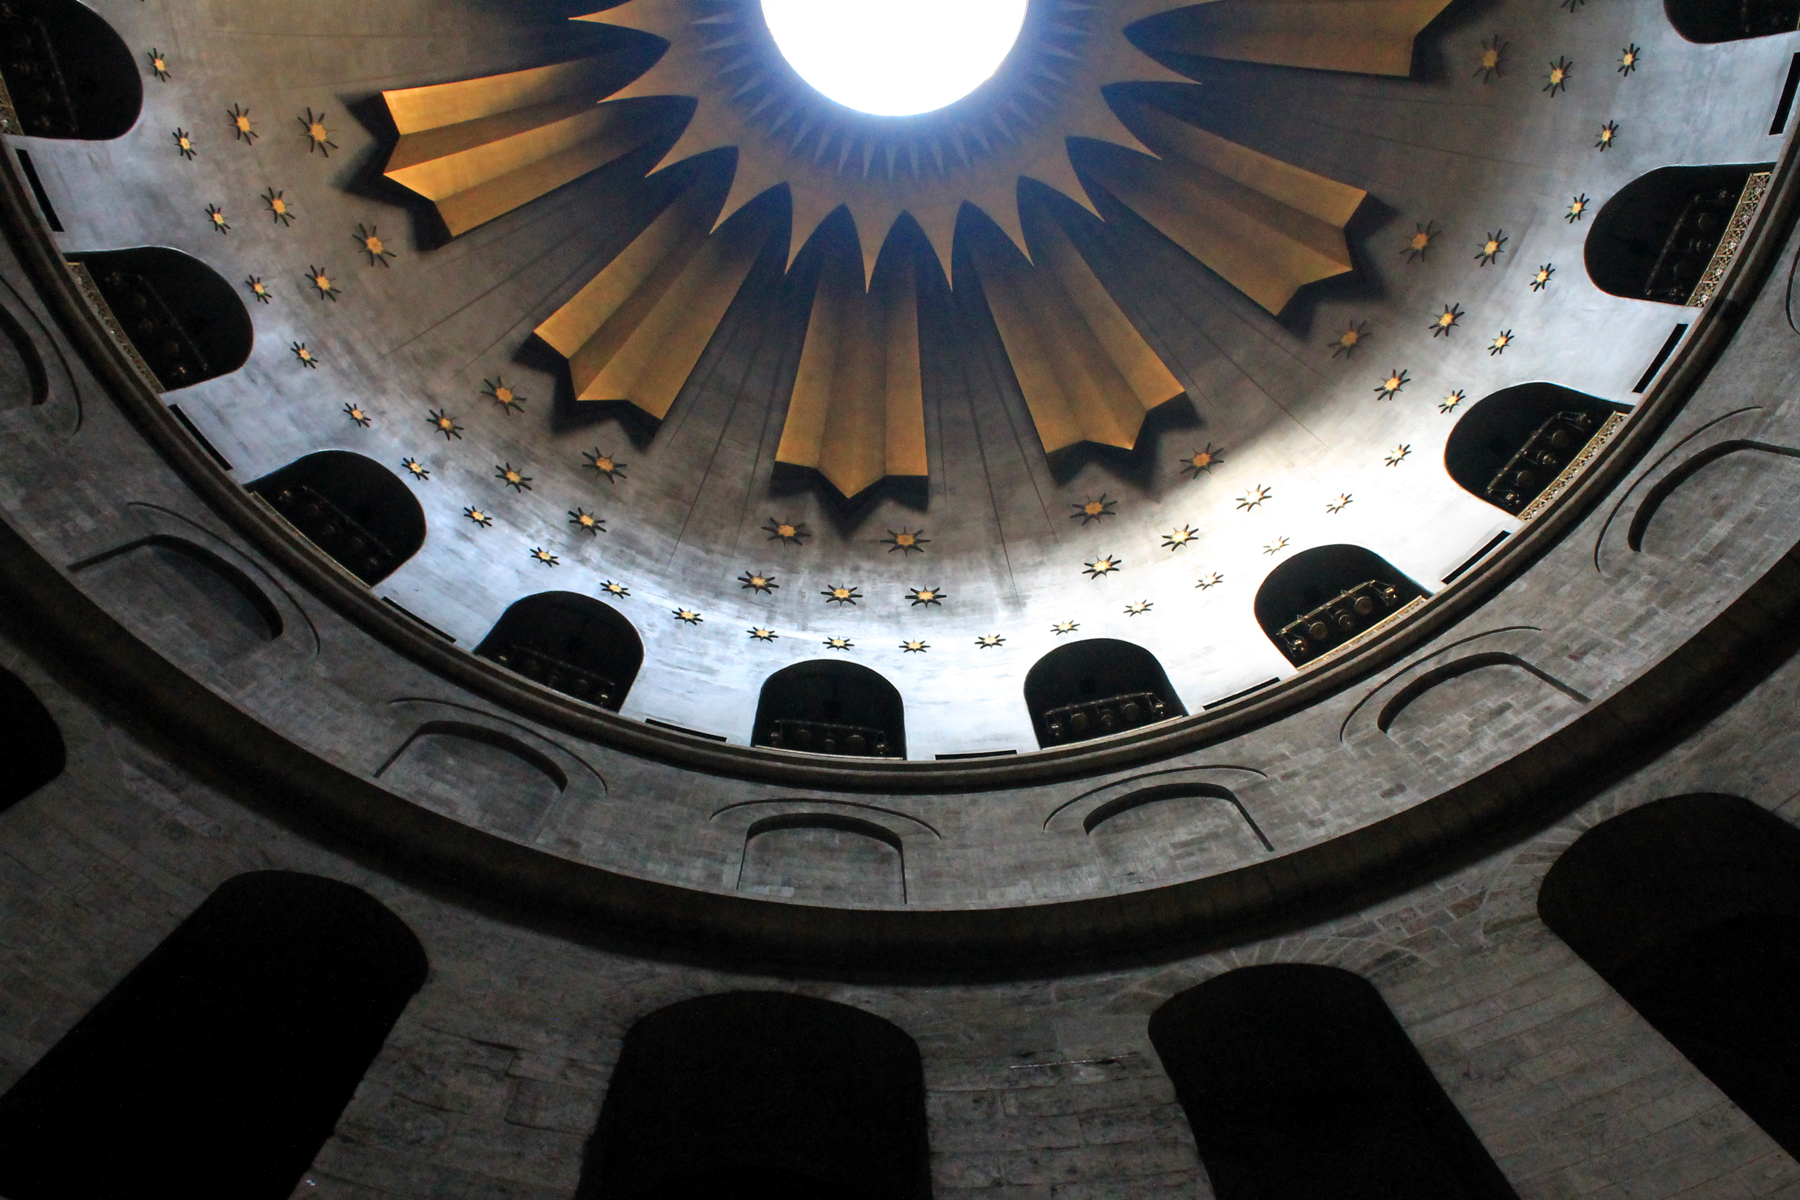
(1267, 227)
(829, 161)
(479, 148)
(858, 414)
(1086, 372)
(1373, 37)
(636, 330)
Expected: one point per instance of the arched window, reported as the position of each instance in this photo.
(1297, 1081)
(1321, 598)
(67, 72)
(1513, 444)
(1092, 688)
(830, 708)
(1655, 239)
(351, 507)
(182, 317)
(224, 1059)
(1731, 20)
(763, 1096)
(569, 642)
(35, 753)
(1690, 908)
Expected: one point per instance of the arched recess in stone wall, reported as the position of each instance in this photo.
(1690, 908)
(1514, 443)
(1298, 1081)
(224, 1059)
(182, 317)
(1323, 597)
(1655, 238)
(761, 1096)
(68, 73)
(573, 643)
(1091, 688)
(36, 754)
(1731, 20)
(830, 707)
(351, 507)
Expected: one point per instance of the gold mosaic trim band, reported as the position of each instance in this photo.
(9, 116)
(1588, 454)
(1748, 202)
(90, 292)
(1410, 606)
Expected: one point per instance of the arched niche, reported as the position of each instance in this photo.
(67, 72)
(1091, 688)
(1731, 20)
(1690, 908)
(831, 707)
(575, 644)
(36, 753)
(1298, 1081)
(763, 1096)
(181, 316)
(1513, 444)
(225, 1058)
(351, 507)
(1321, 598)
(1655, 238)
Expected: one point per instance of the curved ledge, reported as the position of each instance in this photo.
(1668, 484)
(1437, 676)
(363, 608)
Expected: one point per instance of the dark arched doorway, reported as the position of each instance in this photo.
(1321, 598)
(764, 1096)
(830, 708)
(1298, 1082)
(225, 1058)
(68, 73)
(1513, 444)
(35, 753)
(1655, 239)
(1690, 908)
(1092, 688)
(1731, 20)
(351, 507)
(181, 316)
(569, 642)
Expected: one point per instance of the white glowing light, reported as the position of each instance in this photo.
(894, 58)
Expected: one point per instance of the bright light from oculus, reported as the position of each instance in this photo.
(894, 58)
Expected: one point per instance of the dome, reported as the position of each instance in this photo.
(1242, 487)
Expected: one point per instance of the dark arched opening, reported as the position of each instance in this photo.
(569, 642)
(1513, 444)
(1655, 239)
(181, 316)
(1731, 20)
(830, 708)
(1092, 688)
(1297, 1081)
(764, 1096)
(225, 1058)
(351, 507)
(36, 753)
(1321, 598)
(1690, 908)
(67, 72)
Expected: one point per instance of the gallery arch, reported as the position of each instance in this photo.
(1690, 908)
(761, 1095)
(67, 72)
(180, 315)
(1513, 444)
(1298, 1081)
(572, 643)
(1323, 597)
(830, 707)
(1095, 687)
(1732, 20)
(351, 507)
(1658, 237)
(223, 1059)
